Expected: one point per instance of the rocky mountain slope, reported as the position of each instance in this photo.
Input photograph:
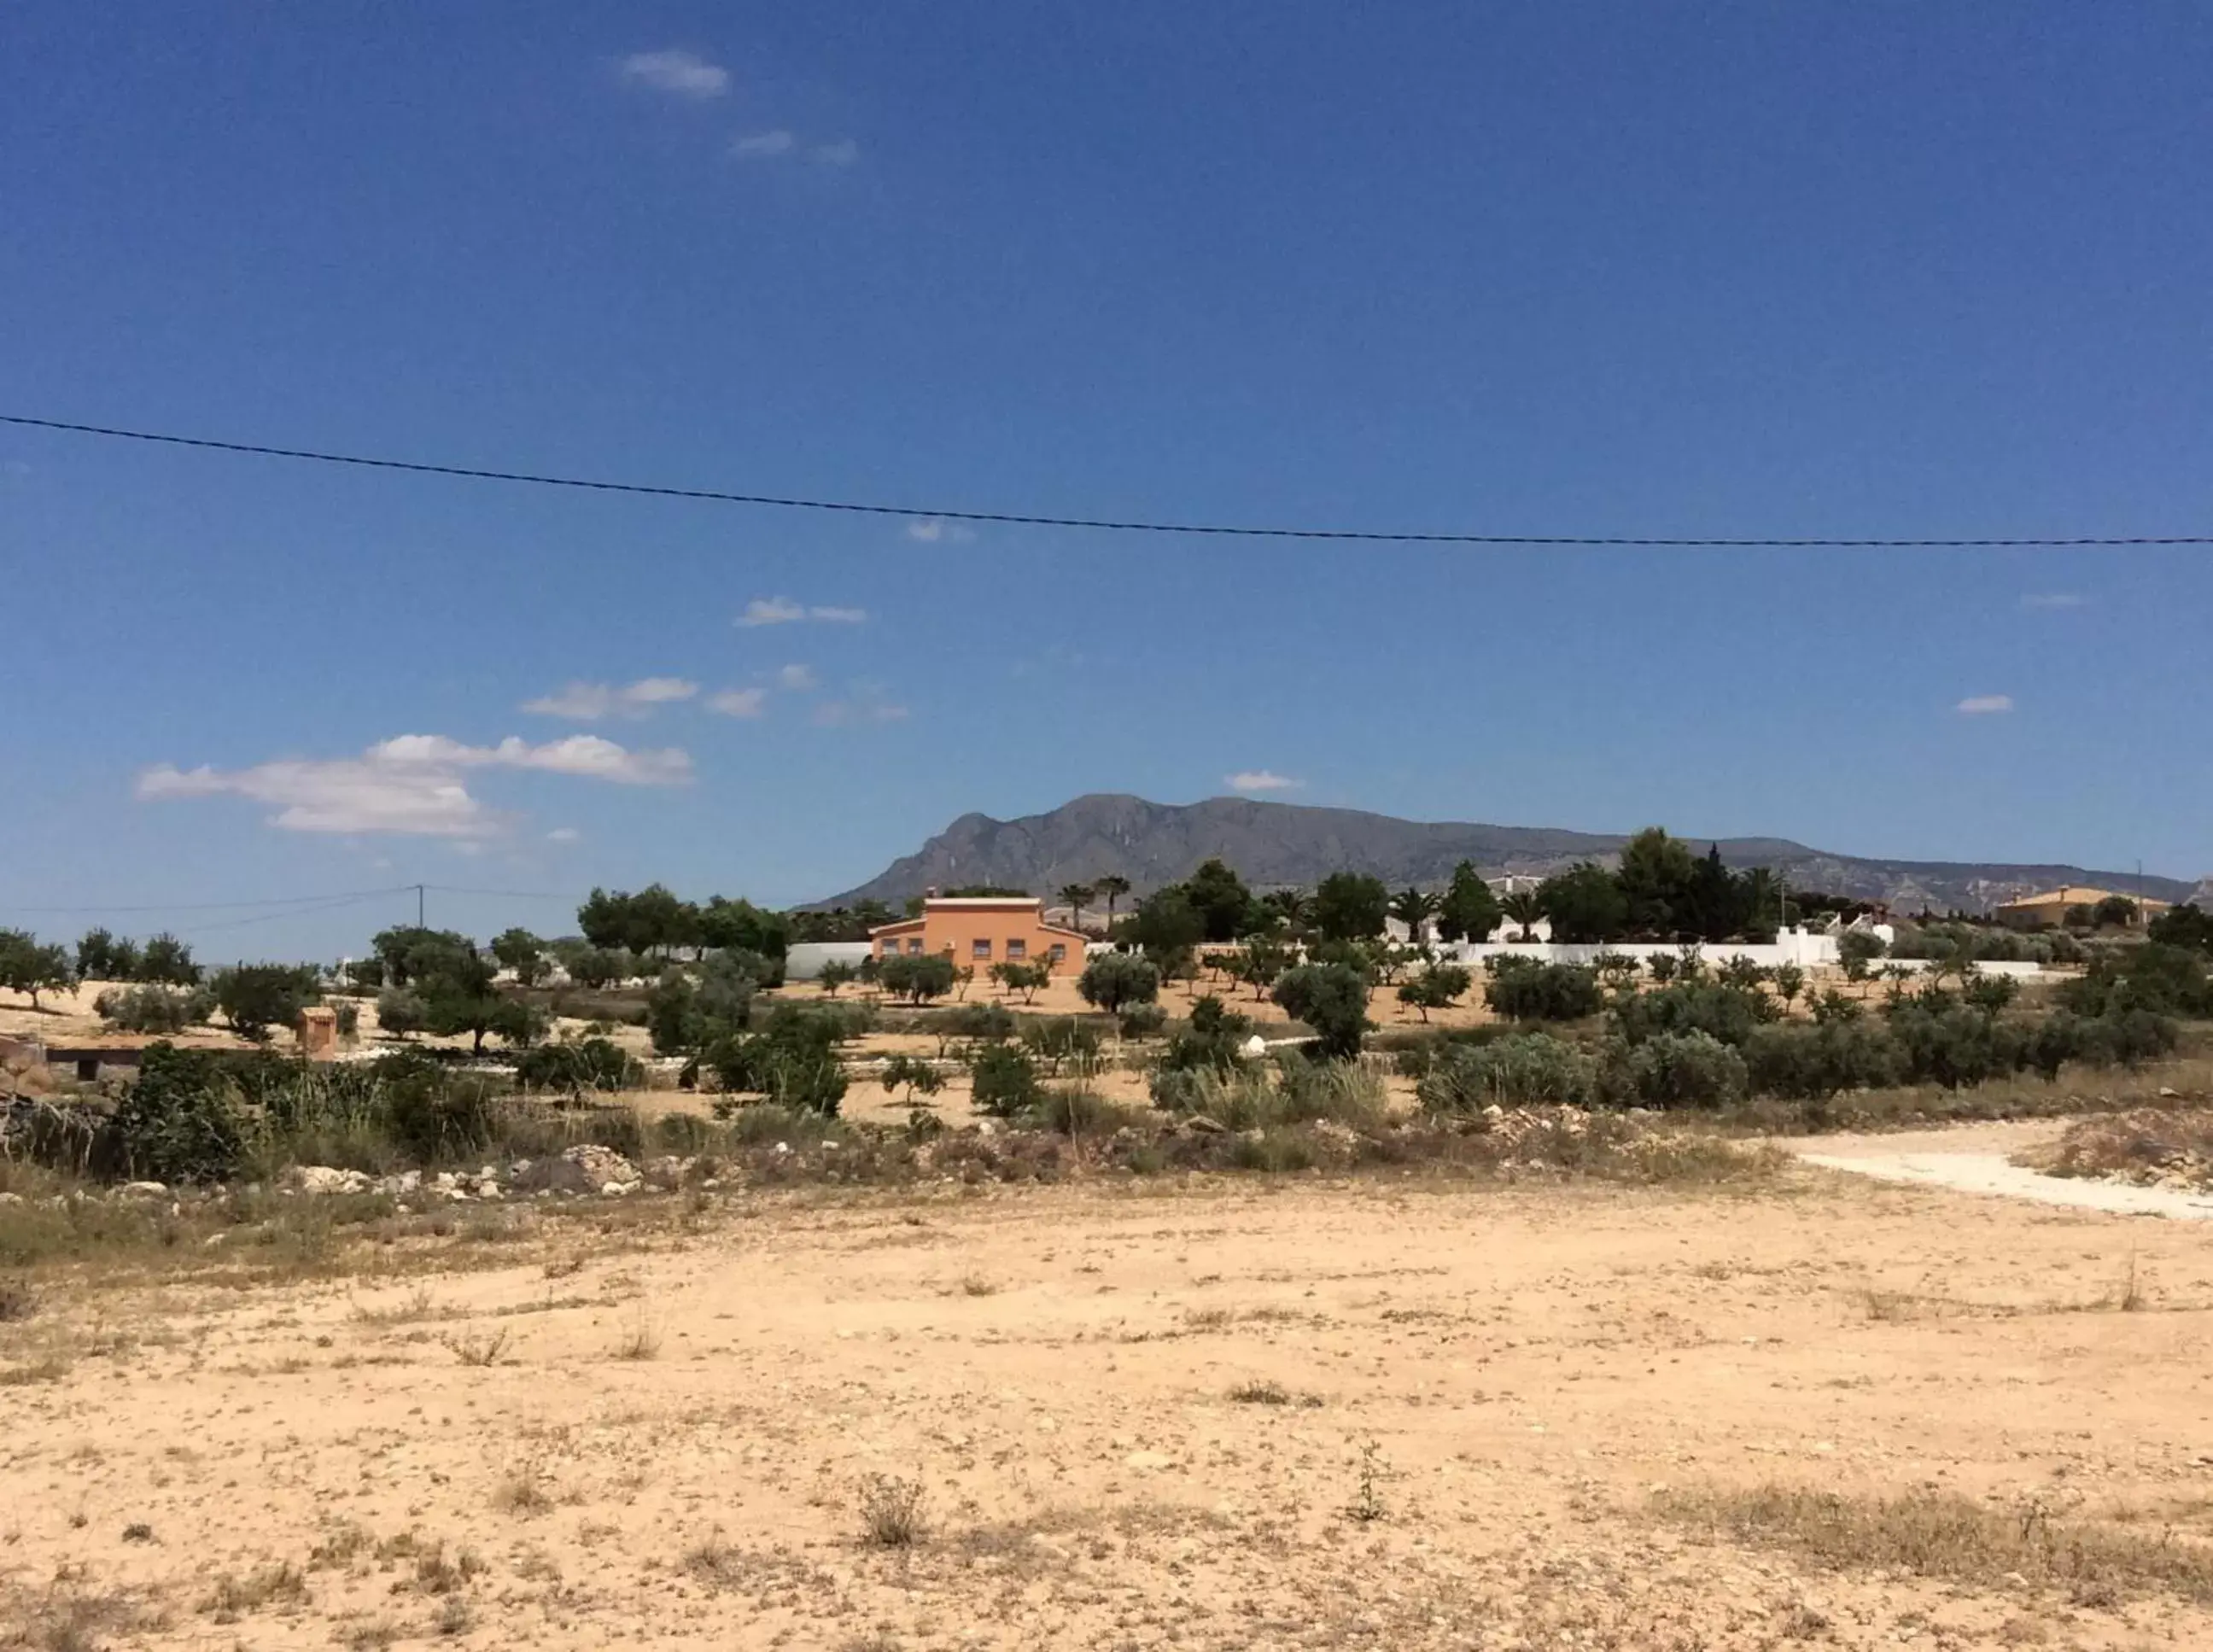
(1277, 844)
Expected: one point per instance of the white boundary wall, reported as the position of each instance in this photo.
(1801, 946)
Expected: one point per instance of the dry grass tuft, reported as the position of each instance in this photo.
(435, 1573)
(1943, 1535)
(16, 1301)
(891, 1512)
(68, 1618)
(1259, 1393)
(2146, 1145)
(716, 1563)
(975, 1284)
(279, 1584)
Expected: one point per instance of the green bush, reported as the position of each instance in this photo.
(1117, 981)
(589, 1063)
(1064, 1039)
(2162, 979)
(1332, 999)
(1955, 1047)
(1724, 1012)
(255, 997)
(1214, 1037)
(181, 1120)
(1521, 1070)
(1144, 1020)
(1682, 1070)
(154, 1009)
(1005, 1082)
(1797, 1061)
(1523, 989)
(918, 979)
(793, 1062)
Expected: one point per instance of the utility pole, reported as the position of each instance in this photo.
(418, 907)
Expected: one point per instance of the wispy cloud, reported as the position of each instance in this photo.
(783, 611)
(843, 153)
(935, 530)
(757, 146)
(798, 679)
(1984, 705)
(864, 702)
(2055, 599)
(1250, 780)
(412, 783)
(563, 835)
(738, 703)
(680, 73)
(592, 702)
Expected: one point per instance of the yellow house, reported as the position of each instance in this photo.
(2050, 909)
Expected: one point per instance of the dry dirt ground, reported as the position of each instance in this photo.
(1392, 1412)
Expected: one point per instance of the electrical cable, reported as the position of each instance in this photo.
(1094, 523)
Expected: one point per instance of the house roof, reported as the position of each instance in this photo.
(2078, 894)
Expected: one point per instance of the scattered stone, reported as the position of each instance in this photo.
(586, 1167)
(327, 1178)
(144, 1189)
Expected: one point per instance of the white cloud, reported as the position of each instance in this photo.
(935, 530)
(799, 679)
(783, 611)
(2055, 599)
(683, 74)
(411, 783)
(563, 835)
(755, 146)
(1260, 780)
(738, 702)
(591, 702)
(1984, 705)
(843, 152)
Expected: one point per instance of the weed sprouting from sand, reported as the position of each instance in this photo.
(975, 1284)
(1944, 1535)
(139, 1532)
(641, 1340)
(1260, 1393)
(16, 1301)
(373, 1635)
(456, 1617)
(1367, 1505)
(2132, 1299)
(479, 1349)
(522, 1491)
(891, 1512)
(437, 1573)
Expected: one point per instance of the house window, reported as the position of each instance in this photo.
(891, 948)
(1056, 953)
(1017, 950)
(914, 948)
(979, 949)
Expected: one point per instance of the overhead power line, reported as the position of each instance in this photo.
(333, 897)
(1019, 519)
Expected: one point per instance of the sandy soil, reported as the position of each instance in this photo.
(1512, 1373)
(1981, 1158)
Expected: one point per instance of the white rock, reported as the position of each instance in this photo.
(326, 1179)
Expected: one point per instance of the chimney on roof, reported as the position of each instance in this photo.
(931, 894)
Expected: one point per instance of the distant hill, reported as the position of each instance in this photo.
(1271, 844)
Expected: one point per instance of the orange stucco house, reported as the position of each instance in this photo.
(980, 930)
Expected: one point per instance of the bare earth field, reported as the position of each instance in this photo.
(1204, 1413)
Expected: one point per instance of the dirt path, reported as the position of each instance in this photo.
(1977, 1159)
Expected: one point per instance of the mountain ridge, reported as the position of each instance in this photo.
(1271, 843)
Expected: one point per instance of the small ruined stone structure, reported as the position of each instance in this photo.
(318, 1031)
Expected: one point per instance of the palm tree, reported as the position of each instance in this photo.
(1413, 909)
(1291, 905)
(1522, 907)
(1112, 889)
(1078, 896)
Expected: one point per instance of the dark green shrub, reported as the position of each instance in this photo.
(793, 1062)
(1063, 1038)
(1797, 1061)
(1213, 1038)
(1523, 989)
(1332, 999)
(400, 1011)
(1005, 1082)
(1956, 1047)
(255, 997)
(1726, 1013)
(590, 1063)
(180, 1119)
(1521, 1070)
(1144, 1020)
(2166, 980)
(153, 1009)
(1683, 1069)
(1116, 981)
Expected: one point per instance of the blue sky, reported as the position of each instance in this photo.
(1599, 268)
